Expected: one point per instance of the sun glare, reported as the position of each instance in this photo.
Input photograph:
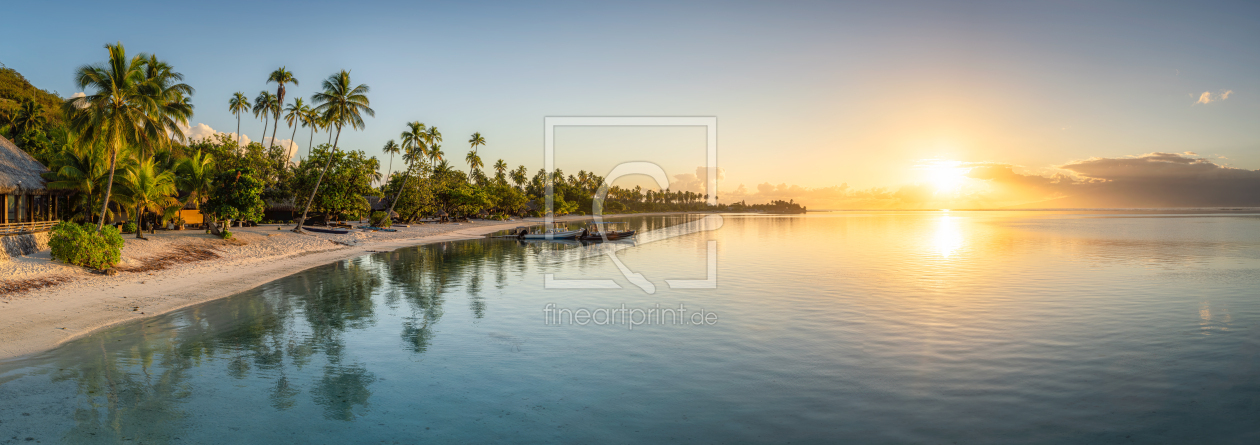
(946, 176)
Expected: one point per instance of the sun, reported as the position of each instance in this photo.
(947, 176)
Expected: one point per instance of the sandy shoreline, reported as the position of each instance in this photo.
(41, 319)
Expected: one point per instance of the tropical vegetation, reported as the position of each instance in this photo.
(121, 151)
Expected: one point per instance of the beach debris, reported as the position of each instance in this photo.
(177, 255)
(9, 287)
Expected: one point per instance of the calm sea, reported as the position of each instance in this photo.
(847, 327)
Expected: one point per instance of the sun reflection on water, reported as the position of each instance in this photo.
(948, 238)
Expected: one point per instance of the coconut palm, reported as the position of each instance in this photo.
(29, 115)
(264, 104)
(170, 115)
(519, 176)
(280, 76)
(476, 141)
(413, 142)
(116, 111)
(82, 169)
(500, 169)
(341, 104)
(296, 110)
(145, 187)
(310, 119)
(195, 175)
(392, 148)
(237, 105)
(474, 163)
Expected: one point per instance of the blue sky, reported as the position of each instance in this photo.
(808, 93)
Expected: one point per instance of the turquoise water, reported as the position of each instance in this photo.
(858, 327)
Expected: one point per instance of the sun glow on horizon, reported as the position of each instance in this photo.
(947, 176)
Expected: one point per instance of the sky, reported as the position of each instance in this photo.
(835, 104)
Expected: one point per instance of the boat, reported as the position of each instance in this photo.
(605, 231)
(558, 231)
(326, 230)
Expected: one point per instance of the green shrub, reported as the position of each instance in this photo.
(380, 219)
(226, 234)
(82, 245)
(129, 227)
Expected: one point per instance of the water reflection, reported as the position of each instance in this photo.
(1051, 327)
(948, 237)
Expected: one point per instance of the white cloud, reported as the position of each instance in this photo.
(199, 132)
(292, 147)
(78, 94)
(688, 182)
(1207, 97)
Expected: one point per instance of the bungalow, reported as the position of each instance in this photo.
(26, 205)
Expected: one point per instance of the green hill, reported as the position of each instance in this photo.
(14, 88)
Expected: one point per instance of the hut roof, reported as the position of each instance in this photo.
(19, 172)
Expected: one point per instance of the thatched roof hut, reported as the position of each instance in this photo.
(19, 172)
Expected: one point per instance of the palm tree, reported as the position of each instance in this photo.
(310, 119)
(237, 105)
(144, 187)
(172, 111)
(500, 168)
(280, 76)
(476, 140)
(474, 163)
(413, 141)
(195, 175)
(341, 105)
(80, 168)
(263, 104)
(296, 110)
(519, 176)
(30, 114)
(392, 148)
(117, 109)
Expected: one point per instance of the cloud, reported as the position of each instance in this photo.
(1207, 97)
(198, 132)
(78, 94)
(202, 131)
(688, 182)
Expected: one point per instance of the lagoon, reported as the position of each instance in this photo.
(871, 327)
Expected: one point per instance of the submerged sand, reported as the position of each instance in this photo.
(175, 269)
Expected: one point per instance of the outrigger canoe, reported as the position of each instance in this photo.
(326, 230)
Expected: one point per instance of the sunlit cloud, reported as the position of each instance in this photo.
(1207, 97)
(688, 182)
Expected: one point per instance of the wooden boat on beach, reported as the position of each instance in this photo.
(325, 230)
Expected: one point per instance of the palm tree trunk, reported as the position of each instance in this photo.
(286, 151)
(273, 131)
(265, 119)
(311, 142)
(389, 213)
(310, 200)
(109, 186)
(391, 169)
(139, 226)
(238, 132)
